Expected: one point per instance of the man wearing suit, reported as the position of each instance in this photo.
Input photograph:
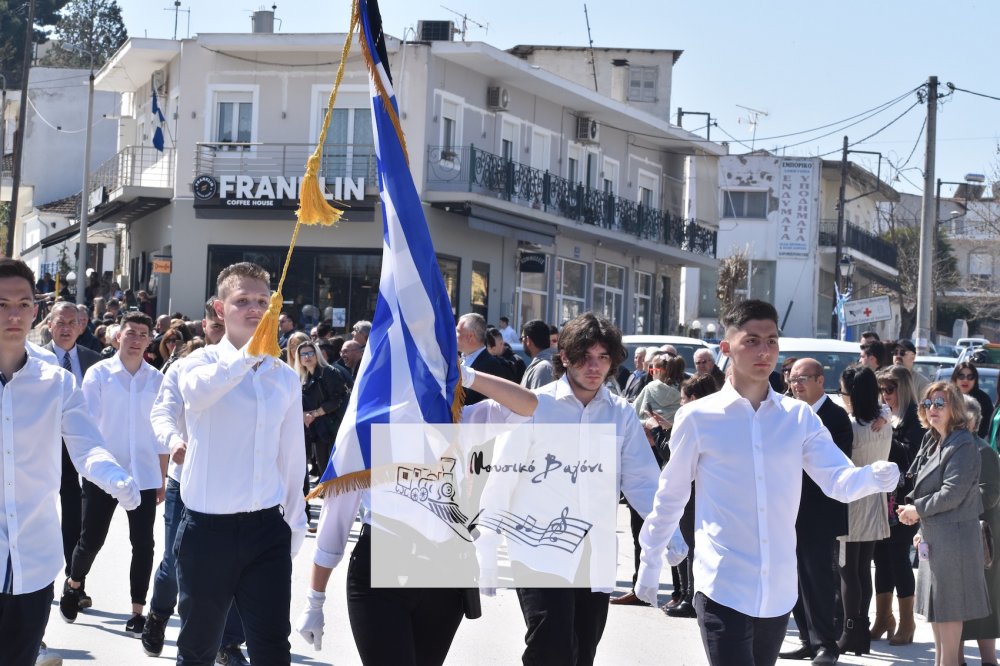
(639, 377)
(471, 334)
(820, 521)
(64, 324)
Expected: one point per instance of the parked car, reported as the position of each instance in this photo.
(835, 355)
(928, 366)
(685, 346)
(987, 362)
(988, 378)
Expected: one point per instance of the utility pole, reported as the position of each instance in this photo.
(928, 227)
(81, 264)
(834, 319)
(29, 40)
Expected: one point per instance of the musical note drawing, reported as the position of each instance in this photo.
(564, 532)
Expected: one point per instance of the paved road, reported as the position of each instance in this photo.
(634, 635)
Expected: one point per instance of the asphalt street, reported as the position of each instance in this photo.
(634, 635)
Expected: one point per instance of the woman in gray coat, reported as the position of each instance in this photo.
(950, 583)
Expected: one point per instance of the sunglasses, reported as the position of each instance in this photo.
(965, 376)
(799, 379)
(937, 403)
(306, 354)
(887, 390)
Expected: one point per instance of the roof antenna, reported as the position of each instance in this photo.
(593, 62)
(176, 9)
(466, 20)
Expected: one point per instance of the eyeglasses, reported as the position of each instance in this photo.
(936, 403)
(701, 362)
(886, 390)
(306, 354)
(785, 371)
(798, 379)
(965, 376)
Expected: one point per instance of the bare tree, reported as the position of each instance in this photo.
(732, 277)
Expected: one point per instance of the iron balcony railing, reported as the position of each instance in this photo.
(135, 166)
(471, 169)
(858, 239)
(352, 160)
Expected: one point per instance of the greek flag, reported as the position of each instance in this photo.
(409, 369)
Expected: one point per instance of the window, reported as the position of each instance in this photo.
(642, 303)
(649, 194)
(508, 140)
(762, 274)
(571, 289)
(532, 295)
(480, 291)
(642, 83)
(349, 149)
(448, 133)
(609, 291)
(610, 176)
(980, 269)
(451, 128)
(233, 117)
(744, 204)
(573, 171)
(449, 267)
(708, 297)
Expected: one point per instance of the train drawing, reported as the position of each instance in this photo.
(434, 489)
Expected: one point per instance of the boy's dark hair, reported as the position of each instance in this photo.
(210, 313)
(861, 386)
(504, 320)
(138, 318)
(699, 386)
(581, 333)
(870, 334)
(17, 268)
(537, 331)
(878, 350)
(491, 336)
(741, 312)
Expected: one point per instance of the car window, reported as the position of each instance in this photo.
(834, 364)
(685, 351)
(987, 379)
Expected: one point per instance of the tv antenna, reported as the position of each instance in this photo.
(466, 20)
(753, 118)
(593, 63)
(176, 9)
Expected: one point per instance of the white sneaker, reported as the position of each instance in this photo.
(46, 658)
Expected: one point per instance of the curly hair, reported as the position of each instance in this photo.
(581, 333)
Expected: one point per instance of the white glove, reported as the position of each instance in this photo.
(468, 375)
(886, 475)
(677, 549)
(488, 582)
(126, 491)
(647, 594)
(310, 624)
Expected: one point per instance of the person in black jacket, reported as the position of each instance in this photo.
(470, 333)
(820, 521)
(966, 377)
(893, 570)
(324, 399)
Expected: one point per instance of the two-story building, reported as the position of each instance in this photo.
(781, 212)
(544, 198)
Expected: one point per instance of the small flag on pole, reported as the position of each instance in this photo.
(159, 119)
(409, 370)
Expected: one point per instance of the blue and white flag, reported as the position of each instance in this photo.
(409, 369)
(159, 120)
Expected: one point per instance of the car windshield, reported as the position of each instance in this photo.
(834, 364)
(685, 350)
(929, 369)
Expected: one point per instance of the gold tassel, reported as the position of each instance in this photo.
(313, 206)
(265, 337)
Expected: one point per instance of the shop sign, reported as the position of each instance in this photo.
(532, 262)
(241, 191)
(162, 265)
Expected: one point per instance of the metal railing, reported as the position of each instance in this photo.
(471, 169)
(135, 166)
(858, 239)
(353, 160)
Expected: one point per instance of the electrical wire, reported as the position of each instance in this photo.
(272, 64)
(876, 132)
(56, 127)
(912, 150)
(953, 87)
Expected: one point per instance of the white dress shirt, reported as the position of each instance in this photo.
(509, 335)
(41, 353)
(40, 408)
(470, 358)
(167, 414)
(745, 465)
(121, 403)
(246, 444)
(74, 359)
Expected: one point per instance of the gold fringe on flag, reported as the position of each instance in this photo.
(313, 210)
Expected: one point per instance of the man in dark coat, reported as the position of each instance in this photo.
(471, 334)
(820, 521)
(639, 378)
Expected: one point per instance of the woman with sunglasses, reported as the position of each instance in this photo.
(946, 504)
(868, 517)
(324, 397)
(966, 377)
(893, 570)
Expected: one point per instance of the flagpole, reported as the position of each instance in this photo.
(81, 270)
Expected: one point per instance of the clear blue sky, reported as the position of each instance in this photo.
(806, 64)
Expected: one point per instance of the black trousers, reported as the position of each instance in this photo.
(734, 639)
(564, 625)
(70, 501)
(23, 618)
(685, 570)
(816, 608)
(893, 570)
(856, 578)
(243, 558)
(635, 521)
(98, 509)
(399, 626)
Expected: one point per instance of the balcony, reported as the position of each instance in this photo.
(470, 169)
(132, 184)
(288, 160)
(858, 239)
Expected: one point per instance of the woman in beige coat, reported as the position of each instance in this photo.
(868, 518)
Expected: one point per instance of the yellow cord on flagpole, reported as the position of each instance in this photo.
(313, 210)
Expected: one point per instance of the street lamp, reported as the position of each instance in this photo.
(695, 326)
(843, 292)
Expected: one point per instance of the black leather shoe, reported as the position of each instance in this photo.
(683, 609)
(804, 652)
(826, 657)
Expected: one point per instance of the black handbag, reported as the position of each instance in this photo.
(988, 544)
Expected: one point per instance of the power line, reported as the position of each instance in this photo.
(878, 131)
(953, 87)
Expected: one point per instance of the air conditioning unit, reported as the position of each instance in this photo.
(588, 130)
(435, 31)
(497, 98)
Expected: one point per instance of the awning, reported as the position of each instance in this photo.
(71, 234)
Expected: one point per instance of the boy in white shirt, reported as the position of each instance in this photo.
(39, 408)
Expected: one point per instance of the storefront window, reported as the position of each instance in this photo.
(481, 288)
(449, 267)
(321, 284)
(532, 291)
(571, 290)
